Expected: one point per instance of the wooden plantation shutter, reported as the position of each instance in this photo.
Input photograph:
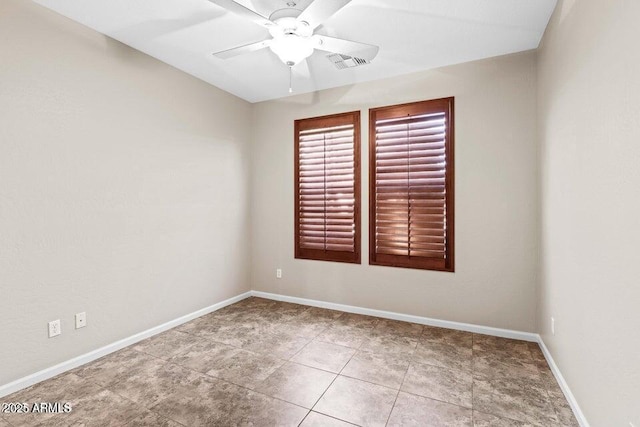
(327, 188)
(411, 185)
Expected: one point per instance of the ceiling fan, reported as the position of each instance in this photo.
(292, 33)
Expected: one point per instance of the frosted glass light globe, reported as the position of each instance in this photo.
(292, 49)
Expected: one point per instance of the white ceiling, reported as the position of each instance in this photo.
(413, 35)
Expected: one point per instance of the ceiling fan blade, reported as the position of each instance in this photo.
(240, 50)
(320, 10)
(240, 10)
(346, 47)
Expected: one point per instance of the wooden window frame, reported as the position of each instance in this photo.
(406, 261)
(320, 122)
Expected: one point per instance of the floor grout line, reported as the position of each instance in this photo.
(323, 393)
(334, 380)
(304, 418)
(398, 393)
(473, 372)
(332, 417)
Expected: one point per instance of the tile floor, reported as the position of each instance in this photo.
(267, 363)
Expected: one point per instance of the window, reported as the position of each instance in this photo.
(411, 185)
(327, 188)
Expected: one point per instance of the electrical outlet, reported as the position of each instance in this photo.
(278, 273)
(54, 328)
(553, 326)
(81, 320)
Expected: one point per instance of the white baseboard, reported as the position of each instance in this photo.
(478, 329)
(51, 372)
(582, 420)
(486, 330)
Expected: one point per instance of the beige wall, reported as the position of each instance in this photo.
(496, 198)
(589, 110)
(123, 190)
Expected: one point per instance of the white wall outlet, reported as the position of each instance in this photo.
(553, 326)
(81, 320)
(54, 328)
(278, 273)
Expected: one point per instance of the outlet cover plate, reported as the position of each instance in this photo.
(81, 320)
(55, 328)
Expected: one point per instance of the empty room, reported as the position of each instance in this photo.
(320, 213)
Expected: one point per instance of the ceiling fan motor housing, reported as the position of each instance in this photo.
(287, 12)
(290, 26)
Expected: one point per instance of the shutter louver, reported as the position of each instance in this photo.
(411, 181)
(327, 188)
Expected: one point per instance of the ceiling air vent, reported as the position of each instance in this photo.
(345, 61)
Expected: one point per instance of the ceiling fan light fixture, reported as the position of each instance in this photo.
(292, 49)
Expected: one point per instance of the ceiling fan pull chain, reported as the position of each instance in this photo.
(290, 78)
